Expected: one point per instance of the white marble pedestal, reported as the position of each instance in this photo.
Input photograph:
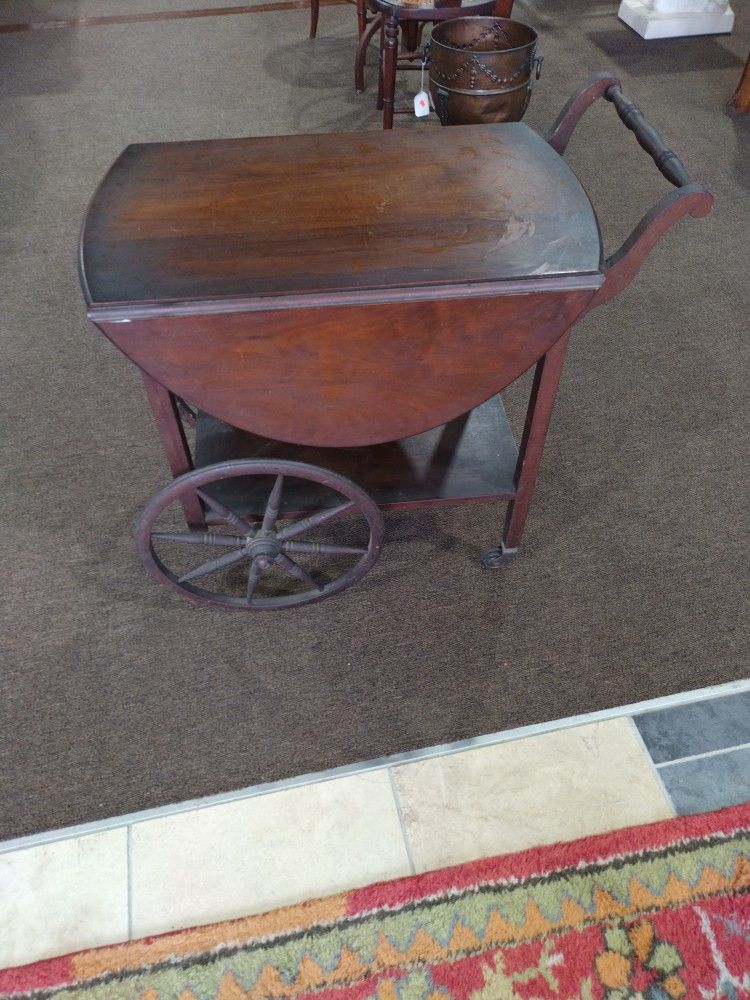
(650, 23)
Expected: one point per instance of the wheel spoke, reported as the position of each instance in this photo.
(226, 514)
(256, 572)
(209, 567)
(322, 548)
(313, 521)
(272, 507)
(198, 538)
(297, 571)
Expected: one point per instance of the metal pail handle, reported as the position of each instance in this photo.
(535, 70)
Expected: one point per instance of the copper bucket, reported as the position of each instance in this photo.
(481, 69)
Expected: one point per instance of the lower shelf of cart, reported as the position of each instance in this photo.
(470, 460)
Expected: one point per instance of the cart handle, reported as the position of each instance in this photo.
(693, 199)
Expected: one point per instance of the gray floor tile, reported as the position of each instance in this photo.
(699, 728)
(709, 783)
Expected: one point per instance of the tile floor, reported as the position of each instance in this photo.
(261, 848)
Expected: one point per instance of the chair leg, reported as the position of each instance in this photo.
(361, 17)
(410, 36)
(359, 60)
(390, 58)
(314, 11)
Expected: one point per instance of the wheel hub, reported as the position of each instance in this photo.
(266, 548)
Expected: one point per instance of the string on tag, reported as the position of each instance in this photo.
(422, 100)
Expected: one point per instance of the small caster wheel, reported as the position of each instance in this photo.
(498, 557)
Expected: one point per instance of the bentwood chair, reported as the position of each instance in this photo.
(362, 18)
(367, 26)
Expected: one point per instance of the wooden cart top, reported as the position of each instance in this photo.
(331, 214)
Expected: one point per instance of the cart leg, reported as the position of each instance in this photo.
(173, 438)
(538, 415)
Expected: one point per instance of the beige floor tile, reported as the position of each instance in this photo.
(253, 855)
(557, 786)
(62, 897)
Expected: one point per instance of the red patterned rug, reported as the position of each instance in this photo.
(656, 912)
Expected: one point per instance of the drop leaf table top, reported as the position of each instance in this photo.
(246, 219)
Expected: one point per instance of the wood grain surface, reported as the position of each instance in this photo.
(349, 375)
(326, 213)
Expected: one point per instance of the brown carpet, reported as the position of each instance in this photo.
(117, 695)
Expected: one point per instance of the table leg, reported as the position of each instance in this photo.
(390, 54)
(740, 103)
(175, 443)
(538, 415)
(314, 11)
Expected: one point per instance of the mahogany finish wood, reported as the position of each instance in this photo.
(362, 19)
(220, 222)
(472, 459)
(688, 198)
(592, 90)
(250, 278)
(164, 407)
(285, 215)
(543, 393)
(740, 102)
(368, 29)
(622, 266)
(363, 374)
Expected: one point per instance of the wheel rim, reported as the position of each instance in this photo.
(260, 545)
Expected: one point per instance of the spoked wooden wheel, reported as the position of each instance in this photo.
(266, 560)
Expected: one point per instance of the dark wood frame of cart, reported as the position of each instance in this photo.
(570, 299)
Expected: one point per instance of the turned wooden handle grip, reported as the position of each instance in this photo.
(649, 139)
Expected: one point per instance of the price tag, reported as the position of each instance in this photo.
(422, 99)
(421, 104)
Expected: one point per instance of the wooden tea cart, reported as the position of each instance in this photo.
(324, 323)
